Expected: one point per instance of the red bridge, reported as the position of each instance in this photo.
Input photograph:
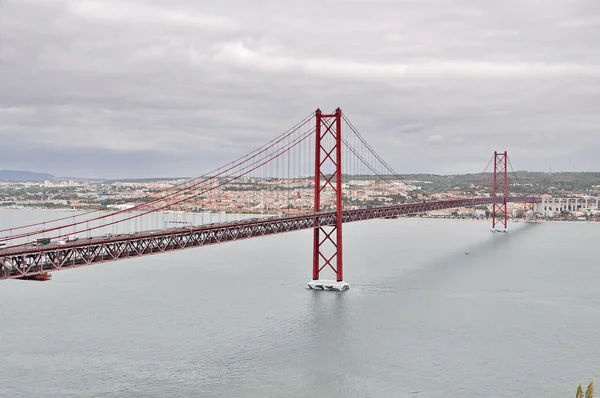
(341, 164)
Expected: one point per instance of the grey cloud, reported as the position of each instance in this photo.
(238, 54)
(119, 12)
(436, 139)
(150, 87)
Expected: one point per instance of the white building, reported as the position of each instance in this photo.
(550, 206)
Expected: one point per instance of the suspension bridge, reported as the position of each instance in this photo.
(318, 175)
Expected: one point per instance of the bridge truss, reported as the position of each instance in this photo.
(22, 263)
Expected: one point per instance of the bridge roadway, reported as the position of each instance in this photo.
(27, 261)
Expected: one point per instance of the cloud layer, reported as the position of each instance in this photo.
(124, 88)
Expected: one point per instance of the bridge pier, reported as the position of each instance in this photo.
(327, 239)
(324, 284)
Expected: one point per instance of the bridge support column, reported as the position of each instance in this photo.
(499, 209)
(539, 208)
(327, 239)
(530, 210)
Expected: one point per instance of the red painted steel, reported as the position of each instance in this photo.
(331, 239)
(317, 198)
(500, 168)
(338, 194)
(19, 262)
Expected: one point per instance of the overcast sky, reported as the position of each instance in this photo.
(141, 88)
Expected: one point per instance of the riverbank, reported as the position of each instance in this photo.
(510, 221)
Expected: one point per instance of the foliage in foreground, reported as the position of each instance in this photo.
(589, 392)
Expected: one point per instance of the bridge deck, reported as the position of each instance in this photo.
(24, 261)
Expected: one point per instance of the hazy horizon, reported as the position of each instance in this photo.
(176, 177)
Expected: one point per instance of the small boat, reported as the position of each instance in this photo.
(44, 276)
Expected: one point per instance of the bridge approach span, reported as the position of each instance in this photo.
(29, 261)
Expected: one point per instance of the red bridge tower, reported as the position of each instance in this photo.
(327, 240)
(499, 209)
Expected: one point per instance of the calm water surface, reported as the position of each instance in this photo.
(518, 316)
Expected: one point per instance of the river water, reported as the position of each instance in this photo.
(518, 315)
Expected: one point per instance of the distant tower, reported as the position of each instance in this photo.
(499, 208)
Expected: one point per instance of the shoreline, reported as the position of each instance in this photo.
(510, 221)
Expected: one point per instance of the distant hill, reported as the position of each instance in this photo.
(530, 182)
(32, 176)
(143, 180)
(14, 175)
